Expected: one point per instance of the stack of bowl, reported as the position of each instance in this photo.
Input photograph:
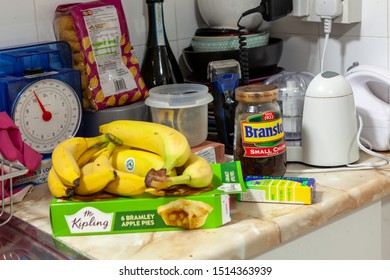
(228, 42)
(262, 60)
(220, 40)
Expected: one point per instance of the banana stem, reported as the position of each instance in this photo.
(92, 141)
(169, 165)
(158, 179)
(180, 180)
(114, 139)
(109, 149)
(69, 192)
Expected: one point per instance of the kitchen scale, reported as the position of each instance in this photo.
(41, 93)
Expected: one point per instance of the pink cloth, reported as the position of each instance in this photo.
(12, 148)
(5, 187)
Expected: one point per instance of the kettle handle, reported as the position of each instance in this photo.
(362, 74)
(359, 76)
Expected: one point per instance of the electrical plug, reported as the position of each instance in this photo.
(329, 8)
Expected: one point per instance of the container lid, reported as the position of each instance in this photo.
(178, 96)
(257, 93)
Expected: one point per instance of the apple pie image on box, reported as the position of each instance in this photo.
(184, 213)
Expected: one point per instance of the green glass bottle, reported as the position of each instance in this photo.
(159, 66)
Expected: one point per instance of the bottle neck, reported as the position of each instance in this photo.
(156, 35)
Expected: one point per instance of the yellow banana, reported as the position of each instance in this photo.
(66, 154)
(56, 187)
(126, 184)
(197, 173)
(165, 141)
(132, 165)
(97, 174)
(135, 161)
(91, 154)
(92, 181)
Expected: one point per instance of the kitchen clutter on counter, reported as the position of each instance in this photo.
(108, 156)
(118, 157)
(99, 188)
(233, 49)
(70, 69)
(137, 157)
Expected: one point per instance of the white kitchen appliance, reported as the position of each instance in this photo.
(370, 86)
(329, 124)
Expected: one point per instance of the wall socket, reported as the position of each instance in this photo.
(305, 11)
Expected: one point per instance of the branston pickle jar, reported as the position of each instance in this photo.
(259, 141)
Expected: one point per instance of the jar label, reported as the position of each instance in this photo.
(263, 135)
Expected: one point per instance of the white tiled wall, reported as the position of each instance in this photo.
(366, 42)
(29, 21)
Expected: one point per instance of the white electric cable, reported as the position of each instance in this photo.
(351, 167)
(367, 143)
(327, 10)
(385, 161)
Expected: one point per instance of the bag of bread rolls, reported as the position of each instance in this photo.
(98, 36)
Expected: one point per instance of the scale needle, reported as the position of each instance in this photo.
(46, 115)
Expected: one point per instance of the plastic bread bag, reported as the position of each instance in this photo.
(98, 35)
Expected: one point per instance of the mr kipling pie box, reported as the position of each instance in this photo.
(109, 214)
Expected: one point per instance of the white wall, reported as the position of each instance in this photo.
(29, 21)
(366, 42)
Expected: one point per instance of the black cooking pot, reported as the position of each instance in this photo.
(263, 61)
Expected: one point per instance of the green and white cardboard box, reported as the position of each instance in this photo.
(123, 215)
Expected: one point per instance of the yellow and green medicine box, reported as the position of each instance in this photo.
(278, 189)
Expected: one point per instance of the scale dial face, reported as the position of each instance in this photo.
(47, 112)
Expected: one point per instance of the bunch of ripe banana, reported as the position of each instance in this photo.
(129, 158)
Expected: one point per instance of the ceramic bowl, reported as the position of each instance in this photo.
(228, 42)
(225, 13)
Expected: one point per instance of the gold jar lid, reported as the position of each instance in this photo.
(256, 93)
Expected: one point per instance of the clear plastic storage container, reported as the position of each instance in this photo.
(183, 107)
